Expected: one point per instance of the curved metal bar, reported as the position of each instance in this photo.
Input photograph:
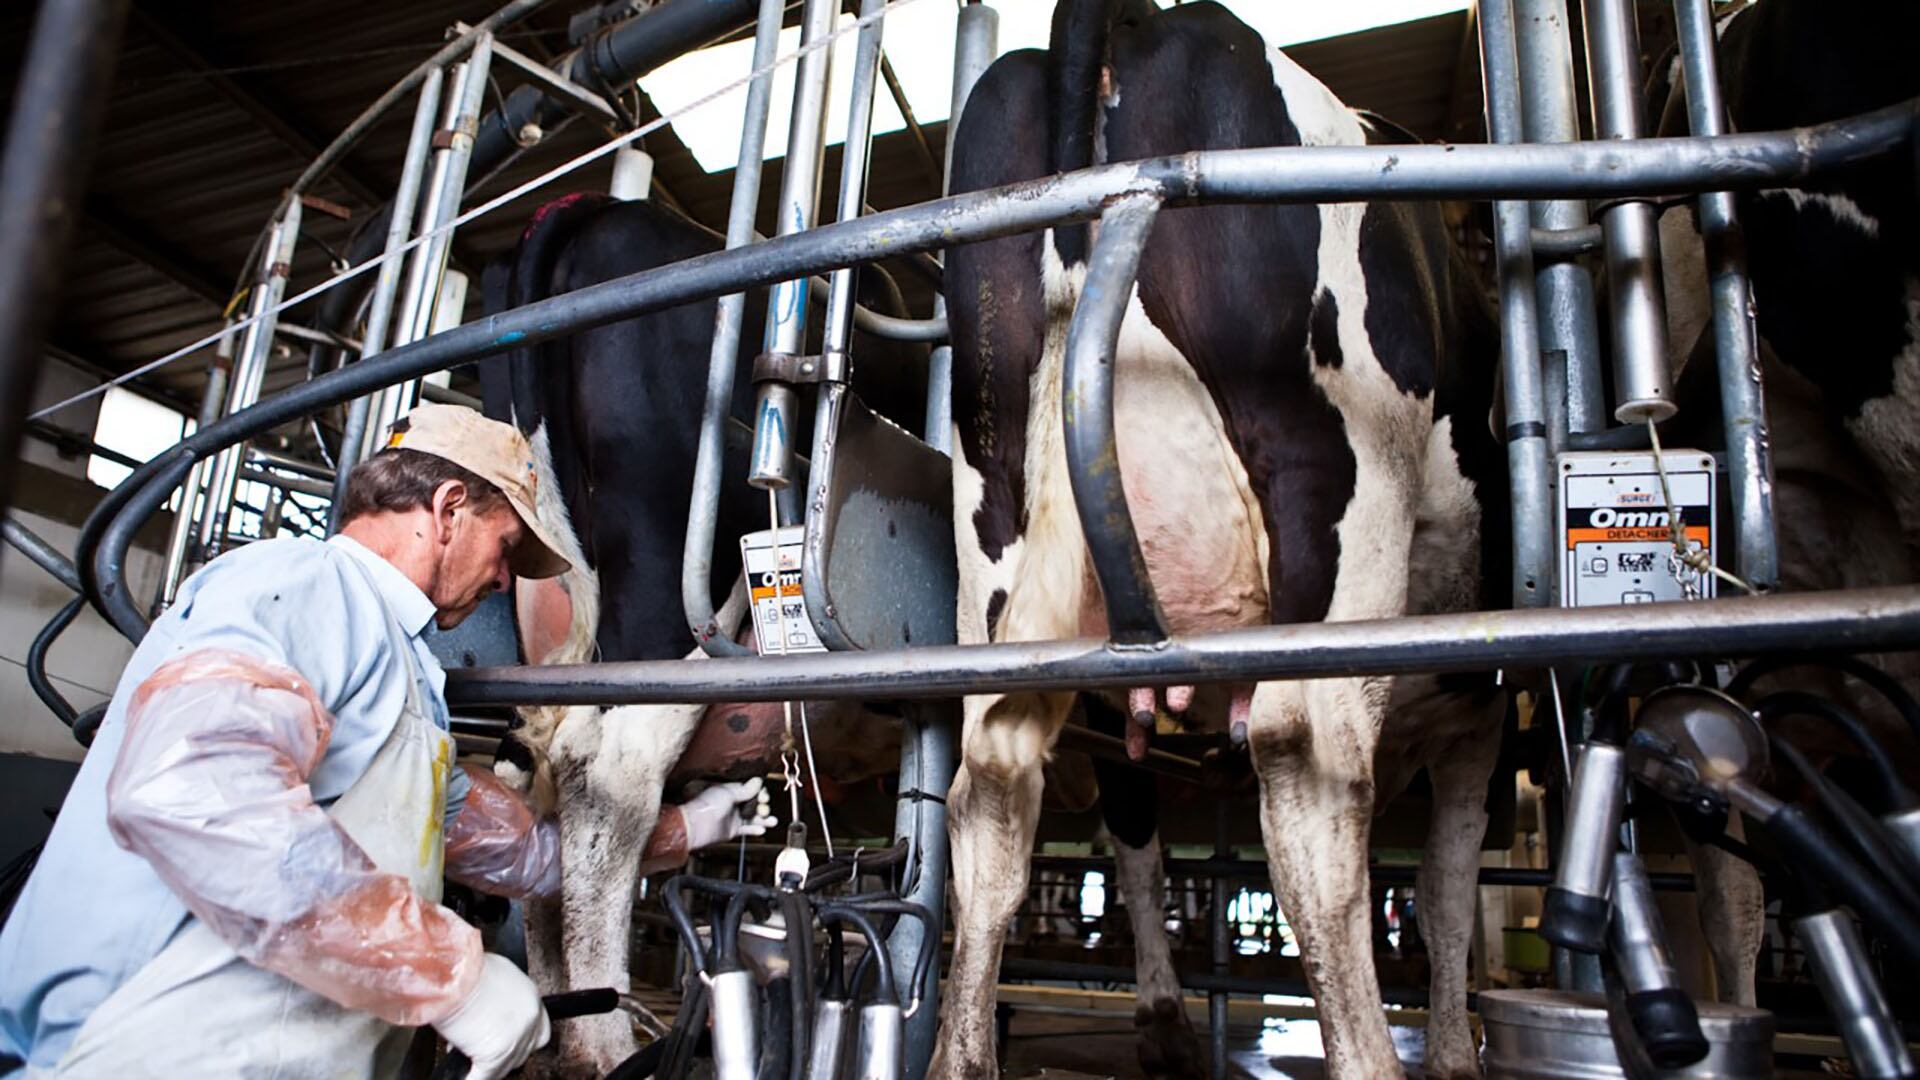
(1086, 410)
(898, 329)
(1283, 174)
(1868, 620)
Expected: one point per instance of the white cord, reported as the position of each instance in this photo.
(780, 635)
(1696, 559)
(484, 208)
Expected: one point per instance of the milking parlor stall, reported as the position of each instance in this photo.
(1241, 538)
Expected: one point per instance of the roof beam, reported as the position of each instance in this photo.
(135, 241)
(278, 120)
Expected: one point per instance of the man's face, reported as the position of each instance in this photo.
(473, 557)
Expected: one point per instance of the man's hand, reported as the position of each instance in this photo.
(500, 1023)
(726, 811)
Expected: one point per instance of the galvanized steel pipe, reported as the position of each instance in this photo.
(256, 348)
(775, 409)
(1529, 471)
(1642, 381)
(696, 565)
(1866, 620)
(1282, 174)
(386, 285)
(1743, 406)
(1569, 326)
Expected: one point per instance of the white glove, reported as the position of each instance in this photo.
(500, 1023)
(725, 811)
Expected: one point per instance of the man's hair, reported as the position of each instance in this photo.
(399, 480)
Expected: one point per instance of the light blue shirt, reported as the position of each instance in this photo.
(94, 913)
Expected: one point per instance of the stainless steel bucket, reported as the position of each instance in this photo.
(1560, 1035)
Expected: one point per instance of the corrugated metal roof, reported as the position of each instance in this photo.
(216, 108)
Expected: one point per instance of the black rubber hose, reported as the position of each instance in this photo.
(688, 1026)
(1879, 681)
(644, 1063)
(726, 933)
(562, 1006)
(888, 988)
(671, 894)
(777, 1030)
(1776, 707)
(799, 916)
(833, 986)
(37, 677)
(1859, 826)
(929, 936)
(1817, 855)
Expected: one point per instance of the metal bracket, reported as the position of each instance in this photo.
(794, 370)
(577, 97)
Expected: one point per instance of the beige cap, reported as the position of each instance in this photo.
(498, 454)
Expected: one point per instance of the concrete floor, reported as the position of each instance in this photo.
(1047, 1047)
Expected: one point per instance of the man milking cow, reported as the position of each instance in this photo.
(245, 877)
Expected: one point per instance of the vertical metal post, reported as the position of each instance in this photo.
(836, 346)
(444, 189)
(387, 283)
(1569, 328)
(256, 348)
(696, 567)
(180, 540)
(56, 112)
(927, 760)
(774, 409)
(928, 748)
(976, 39)
(1526, 432)
(854, 159)
(1743, 406)
(1641, 379)
(1220, 939)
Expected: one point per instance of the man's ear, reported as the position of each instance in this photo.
(450, 496)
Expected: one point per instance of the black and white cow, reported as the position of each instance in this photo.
(1835, 261)
(1302, 400)
(614, 416)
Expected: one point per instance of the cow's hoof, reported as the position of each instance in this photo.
(1168, 1047)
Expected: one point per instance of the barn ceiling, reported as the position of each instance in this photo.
(216, 107)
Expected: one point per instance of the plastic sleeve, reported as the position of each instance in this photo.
(667, 847)
(496, 845)
(210, 787)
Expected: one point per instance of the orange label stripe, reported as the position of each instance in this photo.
(1654, 534)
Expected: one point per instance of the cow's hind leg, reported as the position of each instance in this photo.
(1129, 804)
(993, 808)
(610, 772)
(1445, 891)
(1733, 916)
(1313, 749)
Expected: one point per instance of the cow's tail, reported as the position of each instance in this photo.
(524, 759)
(1077, 55)
(533, 389)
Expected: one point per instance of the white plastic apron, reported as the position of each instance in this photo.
(197, 1009)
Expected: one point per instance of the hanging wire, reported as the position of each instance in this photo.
(1697, 559)
(779, 628)
(487, 207)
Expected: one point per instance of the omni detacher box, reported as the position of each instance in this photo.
(1615, 537)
